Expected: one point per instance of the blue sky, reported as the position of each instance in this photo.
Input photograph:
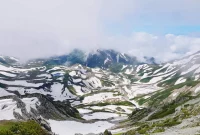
(164, 29)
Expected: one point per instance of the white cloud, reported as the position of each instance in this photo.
(163, 48)
(40, 28)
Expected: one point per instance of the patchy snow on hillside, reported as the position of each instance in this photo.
(106, 60)
(100, 116)
(124, 66)
(21, 83)
(72, 73)
(126, 81)
(139, 89)
(59, 93)
(139, 68)
(7, 74)
(180, 80)
(197, 71)
(93, 81)
(98, 75)
(196, 77)
(78, 90)
(6, 107)
(159, 78)
(3, 93)
(193, 67)
(77, 80)
(31, 103)
(44, 75)
(185, 60)
(13, 58)
(129, 71)
(101, 97)
(127, 109)
(197, 89)
(82, 111)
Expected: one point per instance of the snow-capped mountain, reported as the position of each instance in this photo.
(87, 95)
(171, 73)
(104, 58)
(99, 58)
(8, 60)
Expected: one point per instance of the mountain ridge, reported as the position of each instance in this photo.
(103, 98)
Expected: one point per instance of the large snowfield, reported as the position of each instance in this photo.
(73, 127)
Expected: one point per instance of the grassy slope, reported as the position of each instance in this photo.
(21, 128)
(162, 110)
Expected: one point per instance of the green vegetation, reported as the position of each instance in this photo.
(21, 128)
(107, 133)
(168, 82)
(140, 74)
(98, 91)
(116, 68)
(107, 83)
(132, 78)
(158, 130)
(153, 127)
(158, 97)
(141, 101)
(71, 89)
(170, 107)
(158, 102)
(66, 77)
(146, 80)
(165, 110)
(125, 103)
(162, 70)
(171, 81)
(167, 122)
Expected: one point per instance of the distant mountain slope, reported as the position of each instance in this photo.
(8, 60)
(61, 90)
(98, 58)
(171, 73)
(104, 58)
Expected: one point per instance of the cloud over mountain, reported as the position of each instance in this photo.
(41, 28)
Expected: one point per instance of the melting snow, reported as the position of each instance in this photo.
(3, 93)
(100, 97)
(100, 115)
(21, 83)
(180, 80)
(197, 89)
(73, 127)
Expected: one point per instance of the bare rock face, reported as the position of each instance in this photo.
(55, 109)
(45, 125)
(107, 133)
(47, 109)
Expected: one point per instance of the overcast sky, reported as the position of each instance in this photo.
(165, 29)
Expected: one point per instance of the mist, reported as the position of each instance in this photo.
(43, 28)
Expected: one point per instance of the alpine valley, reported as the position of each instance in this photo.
(103, 92)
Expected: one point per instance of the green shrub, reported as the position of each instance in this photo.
(146, 80)
(116, 68)
(21, 128)
(158, 130)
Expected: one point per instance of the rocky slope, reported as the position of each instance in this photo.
(126, 99)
